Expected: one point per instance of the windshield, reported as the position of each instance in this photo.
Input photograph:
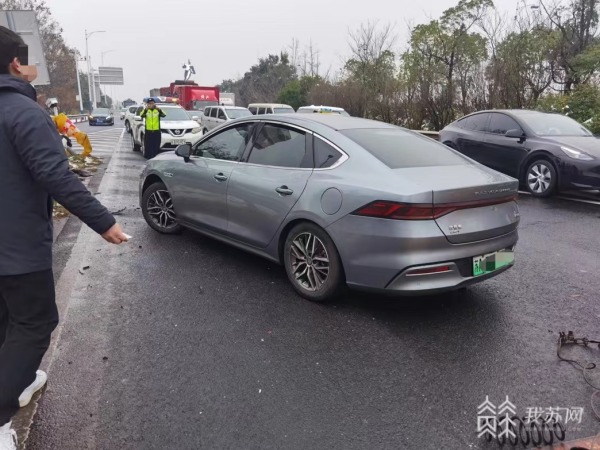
(283, 110)
(554, 125)
(199, 105)
(237, 113)
(397, 148)
(100, 112)
(175, 114)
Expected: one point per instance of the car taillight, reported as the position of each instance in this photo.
(421, 211)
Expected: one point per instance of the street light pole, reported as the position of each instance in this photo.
(102, 59)
(91, 84)
(78, 84)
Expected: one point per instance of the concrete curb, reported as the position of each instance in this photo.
(23, 420)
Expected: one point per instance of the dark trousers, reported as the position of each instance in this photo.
(28, 315)
(152, 143)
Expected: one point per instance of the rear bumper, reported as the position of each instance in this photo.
(377, 253)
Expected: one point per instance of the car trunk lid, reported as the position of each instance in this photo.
(470, 202)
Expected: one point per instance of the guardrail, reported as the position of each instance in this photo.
(432, 134)
(77, 118)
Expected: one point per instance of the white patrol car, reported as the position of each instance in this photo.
(176, 128)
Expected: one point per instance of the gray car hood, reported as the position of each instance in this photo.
(590, 145)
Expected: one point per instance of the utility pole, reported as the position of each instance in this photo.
(78, 84)
(91, 84)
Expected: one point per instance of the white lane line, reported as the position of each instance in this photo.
(573, 199)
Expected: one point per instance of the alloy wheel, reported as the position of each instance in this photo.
(310, 261)
(539, 178)
(160, 209)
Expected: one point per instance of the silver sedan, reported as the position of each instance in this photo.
(339, 202)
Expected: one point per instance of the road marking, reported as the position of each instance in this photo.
(573, 199)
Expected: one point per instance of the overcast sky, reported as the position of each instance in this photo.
(152, 39)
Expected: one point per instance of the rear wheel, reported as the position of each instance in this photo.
(313, 264)
(157, 208)
(541, 178)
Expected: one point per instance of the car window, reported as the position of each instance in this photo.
(227, 145)
(213, 112)
(253, 110)
(207, 111)
(132, 109)
(279, 146)
(398, 148)
(501, 123)
(476, 122)
(139, 110)
(325, 154)
(269, 110)
(262, 111)
(222, 114)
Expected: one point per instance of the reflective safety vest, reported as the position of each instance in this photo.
(153, 119)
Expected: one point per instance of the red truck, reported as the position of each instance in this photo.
(191, 96)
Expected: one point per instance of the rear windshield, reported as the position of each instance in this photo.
(283, 110)
(398, 149)
(237, 113)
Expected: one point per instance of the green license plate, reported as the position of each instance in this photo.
(492, 261)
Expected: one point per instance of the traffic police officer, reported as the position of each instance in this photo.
(152, 136)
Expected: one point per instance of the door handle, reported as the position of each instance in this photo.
(220, 177)
(284, 190)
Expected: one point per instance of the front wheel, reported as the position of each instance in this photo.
(541, 178)
(127, 127)
(158, 210)
(313, 264)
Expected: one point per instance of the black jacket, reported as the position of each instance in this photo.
(34, 168)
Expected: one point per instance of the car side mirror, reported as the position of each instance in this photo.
(515, 134)
(184, 150)
(137, 119)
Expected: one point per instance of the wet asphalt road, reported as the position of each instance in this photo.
(180, 342)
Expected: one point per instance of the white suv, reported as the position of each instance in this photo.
(176, 128)
(214, 116)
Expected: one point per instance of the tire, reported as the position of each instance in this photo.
(136, 147)
(540, 178)
(127, 127)
(164, 220)
(331, 274)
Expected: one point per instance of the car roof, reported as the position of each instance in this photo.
(231, 107)
(274, 105)
(333, 121)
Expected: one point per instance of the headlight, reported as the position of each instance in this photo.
(576, 154)
(196, 130)
(90, 117)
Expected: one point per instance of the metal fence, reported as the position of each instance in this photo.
(77, 118)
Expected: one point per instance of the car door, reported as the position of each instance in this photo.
(206, 117)
(213, 118)
(470, 135)
(200, 185)
(268, 182)
(138, 125)
(221, 117)
(502, 153)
